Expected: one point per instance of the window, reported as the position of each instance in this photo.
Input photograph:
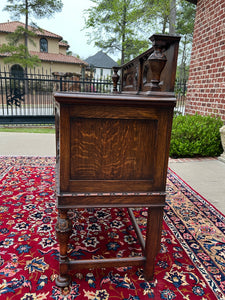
(17, 71)
(43, 45)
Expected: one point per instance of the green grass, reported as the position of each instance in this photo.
(28, 129)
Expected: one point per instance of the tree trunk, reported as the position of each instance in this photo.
(172, 17)
(26, 43)
(183, 61)
(123, 33)
(165, 20)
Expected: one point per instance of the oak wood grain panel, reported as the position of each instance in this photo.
(111, 149)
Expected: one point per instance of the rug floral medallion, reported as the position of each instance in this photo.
(190, 265)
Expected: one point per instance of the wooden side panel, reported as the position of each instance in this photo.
(106, 148)
(112, 149)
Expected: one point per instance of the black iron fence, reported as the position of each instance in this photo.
(180, 92)
(29, 99)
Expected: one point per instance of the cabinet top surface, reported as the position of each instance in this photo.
(154, 97)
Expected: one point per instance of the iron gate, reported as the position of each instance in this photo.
(29, 99)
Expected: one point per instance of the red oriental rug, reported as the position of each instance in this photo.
(190, 265)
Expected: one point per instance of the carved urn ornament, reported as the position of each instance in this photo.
(157, 61)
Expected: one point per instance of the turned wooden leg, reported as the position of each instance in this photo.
(63, 231)
(153, 240)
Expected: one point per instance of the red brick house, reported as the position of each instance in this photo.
(206, 84)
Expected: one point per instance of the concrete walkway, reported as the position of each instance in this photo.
(34, 144)
(206, 176)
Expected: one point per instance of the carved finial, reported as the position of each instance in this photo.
(157, 61)
(115, 79)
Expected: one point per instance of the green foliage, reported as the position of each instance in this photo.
(185, 27)
(17, 47)
(185, 18)
(195, 135)
(28, 129)
(19, 55)
(125, 25)
(115, 26)
(37, 8)
(156, 14)
(17, 52)
(18, 35)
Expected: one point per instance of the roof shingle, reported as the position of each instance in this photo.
(10, 27)
(58, 57)
(101, 60)
(55, 57)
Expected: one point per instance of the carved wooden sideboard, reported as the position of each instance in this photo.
(112, 151)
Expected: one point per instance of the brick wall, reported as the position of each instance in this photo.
(206, 84)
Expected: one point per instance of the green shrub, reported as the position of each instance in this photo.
(195, 135)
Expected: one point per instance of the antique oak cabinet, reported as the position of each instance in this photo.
(112, 151)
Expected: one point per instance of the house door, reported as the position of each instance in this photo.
(15, 95)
